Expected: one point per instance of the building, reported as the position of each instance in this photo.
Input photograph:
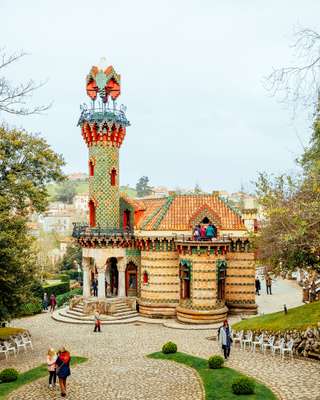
(145, 249)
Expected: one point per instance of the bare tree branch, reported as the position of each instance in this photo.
(299, 85)
(14, 98)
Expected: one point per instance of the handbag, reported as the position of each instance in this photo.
(59, 367)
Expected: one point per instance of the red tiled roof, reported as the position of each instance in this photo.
(180, 213)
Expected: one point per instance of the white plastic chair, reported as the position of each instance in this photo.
(4, 350)
(258, 342)
(19, 344)
(288, 349)
(269, 344)
(238, 337)
(247, 340)
(275, 348)
(27, 341)
(10, 347)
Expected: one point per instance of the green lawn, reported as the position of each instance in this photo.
(217, 382)
(5, 333)
(30, 376)
(297, 318)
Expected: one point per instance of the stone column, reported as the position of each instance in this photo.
(86, 276)
(101, 267)
(122, 265)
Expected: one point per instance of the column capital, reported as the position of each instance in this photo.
(86, 263)
(100, 264)
(122, 264)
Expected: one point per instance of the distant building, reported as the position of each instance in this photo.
(77, 176)
(80, 202)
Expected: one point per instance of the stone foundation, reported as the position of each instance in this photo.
(201, 317)
(238, 309)
(157, 310)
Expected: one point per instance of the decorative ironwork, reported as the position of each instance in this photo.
(103, 113)
(81, 230)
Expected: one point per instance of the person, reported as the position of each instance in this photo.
(258, 285)
(53, 302)
(45, 302)
(203, 232)
(196, 233)
(225, 338)
(268, 284)
(210, 232)
(95, 287)
(63, 369)
(97, 322)
(51, 362)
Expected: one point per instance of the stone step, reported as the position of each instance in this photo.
(69, 315)
(123, 313)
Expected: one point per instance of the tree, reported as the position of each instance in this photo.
(27, 164)
(197, 189)
(73, 253)
(299, 84)
(66, 192)
(13, 99)
(142, 187)
(290, 233)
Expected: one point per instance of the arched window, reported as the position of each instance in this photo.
(92, 213)
(113, 177)
(126, 219)
(184, 281)
(222, 272)
(91, 168)
(145, 277)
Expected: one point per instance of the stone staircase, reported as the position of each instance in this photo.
(122, 313)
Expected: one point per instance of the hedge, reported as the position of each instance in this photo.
(74, 274)
(56, 289)
(33, 307)
(64, 298)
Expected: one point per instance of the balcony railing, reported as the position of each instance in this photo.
(103, 113)
(85, 231)
(190, 238)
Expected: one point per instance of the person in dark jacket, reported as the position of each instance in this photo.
(63, 369)
(258, 286)
(95, 287)
(53, 302)
(225, 338)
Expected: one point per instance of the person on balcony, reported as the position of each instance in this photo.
(203, 232)
(95, 287)
(210, 232)
(196, 233)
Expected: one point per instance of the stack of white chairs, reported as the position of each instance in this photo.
(26, 339)
(238, 337)
(279, 347)
(287, 349)
(268, 345)
(247, 340)
(6, 348)
(257, 342)
(20, 344)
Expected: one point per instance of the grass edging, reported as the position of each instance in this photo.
(30, 376)
(217, 383)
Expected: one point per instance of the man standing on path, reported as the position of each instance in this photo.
(258, 286)
(268, 284)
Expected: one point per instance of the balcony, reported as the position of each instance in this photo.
(103, 113)
(82, 230)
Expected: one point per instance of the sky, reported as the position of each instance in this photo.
(192, 80)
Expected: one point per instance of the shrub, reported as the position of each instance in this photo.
(65, 297)
(34, 306)
(74, 274)
(215, 362)
(63, 277)
(8, 375)
(57, 288)
(243, 385)
(169, 348)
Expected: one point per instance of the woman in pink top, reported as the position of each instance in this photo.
(51, 362)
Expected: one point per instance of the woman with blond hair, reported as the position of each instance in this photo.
(63, 369)
(51, 362)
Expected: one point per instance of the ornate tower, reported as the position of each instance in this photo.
(103, 128)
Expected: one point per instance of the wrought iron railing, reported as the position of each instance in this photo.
(191, 238)
(81, 230)
(102, 113)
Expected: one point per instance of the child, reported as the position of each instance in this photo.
(51, 362)
(97, 322)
